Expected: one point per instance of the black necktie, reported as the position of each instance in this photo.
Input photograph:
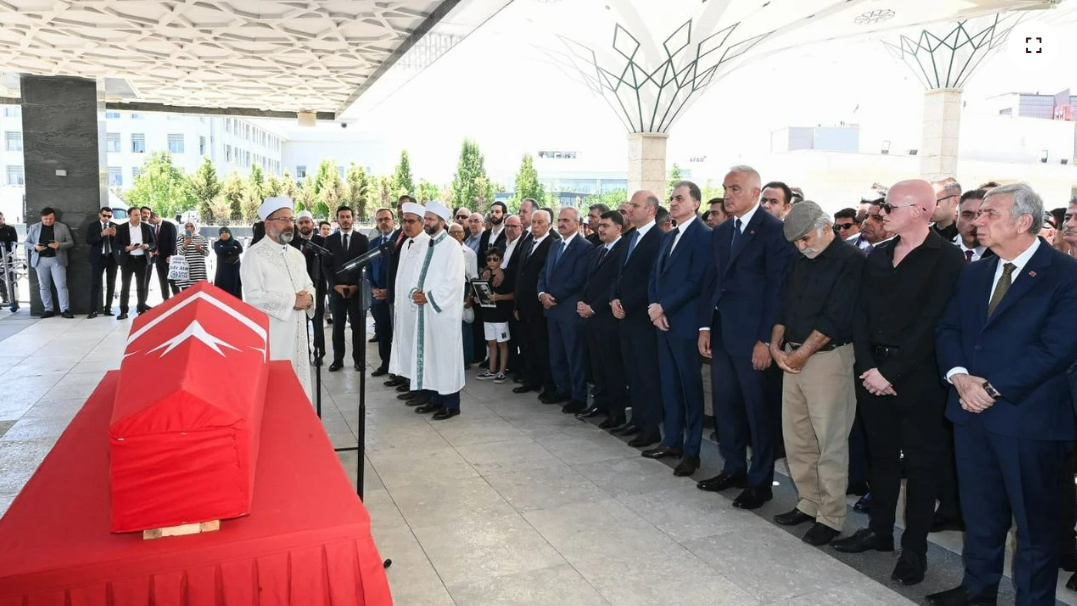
(968, 257)
(736, 233)
(345, 242)
(602, 255)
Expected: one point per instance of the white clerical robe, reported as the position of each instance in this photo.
(272, 275)
(412, 252)
(439, 350)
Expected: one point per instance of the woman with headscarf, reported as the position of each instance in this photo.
(228, 250)
(195, 247)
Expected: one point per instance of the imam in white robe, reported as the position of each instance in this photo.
(272, 275)
(438, 356)
(412, 252)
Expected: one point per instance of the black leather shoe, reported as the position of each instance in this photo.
(427, 408)
(92, 315)
(522, 389)
(122, 316)
(519, 380)
(335, 366)
(662, 452)
(403, 387)
(645, 439)
(446, 413)
(555, 398)
(418, 400)
(959, 596)
(612, 423)
(1067, 562)
(593, 411)
(910, 569)
(544, 393)
(380, 372)
(395, 381)
(573, 407)
(687, 466)
(407, 395)
(753, 497)
(723, 481)
(793, 518)
(358, 367)
(863, 505)
(864, 540)
(1072, 583)
(941, 523)
(107, 312)
(819, 534)
(48, 314)
(630, 429)
(373, 339)
(858, 488)
(67, 314)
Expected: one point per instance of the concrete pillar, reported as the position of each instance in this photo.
(647, 163)
(942, 129)
(63, 131)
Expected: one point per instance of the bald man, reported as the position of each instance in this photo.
(906, 286)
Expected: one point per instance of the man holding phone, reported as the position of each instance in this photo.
(48, 242)
(345, 245)
(135, 240)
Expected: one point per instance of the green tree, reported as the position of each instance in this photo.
(674, 177)
(527, 183)
(288, 186)
(427, 191)
(711, 191)
(332, 192)
(326, 169)
(612, 199)
(402, 180)
(304, 200)
(471, 187)
(205, 187)
(249, 205)
(274, 186)
(386, 192)
(162, 186)
(358, 190)
(257, 182)
(234, 191)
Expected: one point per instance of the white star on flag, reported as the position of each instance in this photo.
(193, 331)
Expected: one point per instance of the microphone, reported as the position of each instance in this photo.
(367, 258)
(316, 249)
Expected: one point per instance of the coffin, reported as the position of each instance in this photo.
(187, 416)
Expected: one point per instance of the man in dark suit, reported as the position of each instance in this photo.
(966, 227)
(739, 308)
(135, 240)
(594, 215)
(534, 345)
(1004, 343)
(559, 285)
(600, 327)
(379, 286)
(104, 257)
(393, 262)
(639, 344)
(675, 287)
(345, 245)
(496, 235)
(164, 232)
(305, 232)
(510, 262)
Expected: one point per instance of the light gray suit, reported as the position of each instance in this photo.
(50, 270)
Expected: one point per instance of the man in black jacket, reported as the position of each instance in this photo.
(305, 233)
(535, 340)
(164, 232)
(135, 240)
(104, 257)
(8, 240)
(345, 245)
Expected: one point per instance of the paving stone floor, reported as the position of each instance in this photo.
(510, 503)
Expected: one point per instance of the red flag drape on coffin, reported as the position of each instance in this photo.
(186, 422)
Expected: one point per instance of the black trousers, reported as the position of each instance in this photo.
(639, 352)
(949, 503)
(478, 353)
(319, 320)
(102, 264)
(607, 366)
(383, 330)
(514, 346)
(910, 423)
(133, 267)
(168, 287)
(346, 310)
(536, 342)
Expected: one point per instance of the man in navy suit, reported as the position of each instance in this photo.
(600, 327)
(345, 245)
(1004, 343)
(675, 287)
(559, 286)
(639, 344)
(379, 289)
(739, 308)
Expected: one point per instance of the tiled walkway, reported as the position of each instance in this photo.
(510, 503)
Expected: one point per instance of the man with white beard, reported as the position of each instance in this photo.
(275, 281)
(405, 315)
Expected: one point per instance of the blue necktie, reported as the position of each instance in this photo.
(736, 233)
(632, 245)
(557, 253)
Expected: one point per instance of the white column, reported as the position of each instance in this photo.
(647, 163)
(942, 126)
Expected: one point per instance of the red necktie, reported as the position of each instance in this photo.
(968, 256)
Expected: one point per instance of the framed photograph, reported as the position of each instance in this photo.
(483, 292)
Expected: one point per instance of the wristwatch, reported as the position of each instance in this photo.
(991, 391)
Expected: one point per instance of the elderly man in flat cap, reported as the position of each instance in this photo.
(812, 343)
(275, 281)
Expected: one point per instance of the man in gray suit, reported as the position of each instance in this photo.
(47, 243)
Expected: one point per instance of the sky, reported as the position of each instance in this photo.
(493, 87)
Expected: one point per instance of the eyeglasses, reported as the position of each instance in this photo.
(889, 208)
(411, 221)
(844, 226)
(461, 217)
(939, 200)
(283, 219)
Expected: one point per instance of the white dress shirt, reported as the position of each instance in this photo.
(566, 242)
(977, 253)
(1019, 264)
(136, 240)
(745, 219)
(510, 247)
(680, 232)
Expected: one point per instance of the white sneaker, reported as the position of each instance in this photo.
(485, 376)
(499, 377)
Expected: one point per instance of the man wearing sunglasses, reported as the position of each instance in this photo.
(947, 198)
(845, 224)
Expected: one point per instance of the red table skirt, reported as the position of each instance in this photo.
(306, 542)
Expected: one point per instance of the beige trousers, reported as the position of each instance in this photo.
(818, 408)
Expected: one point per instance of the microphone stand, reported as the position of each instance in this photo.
(319, 318)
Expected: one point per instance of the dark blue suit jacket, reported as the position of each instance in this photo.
(1023, 349)
(677, 283)
(566, 281)
(633, 281)
(745, 281)
(379, 268)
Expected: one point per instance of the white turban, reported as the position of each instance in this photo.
(411, 208)
(304, 214)
(272, 205)
(439, 209)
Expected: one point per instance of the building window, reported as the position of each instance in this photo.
(300, 172)
(227, 153)
(12, 111)
(13, 140)
(175, 144)
(112, 115)
(115, 176)
(201, 146)
(138, 143)
(112, 142)
(136, 116)
(136, 172)
(15, 175)
(227, 125)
